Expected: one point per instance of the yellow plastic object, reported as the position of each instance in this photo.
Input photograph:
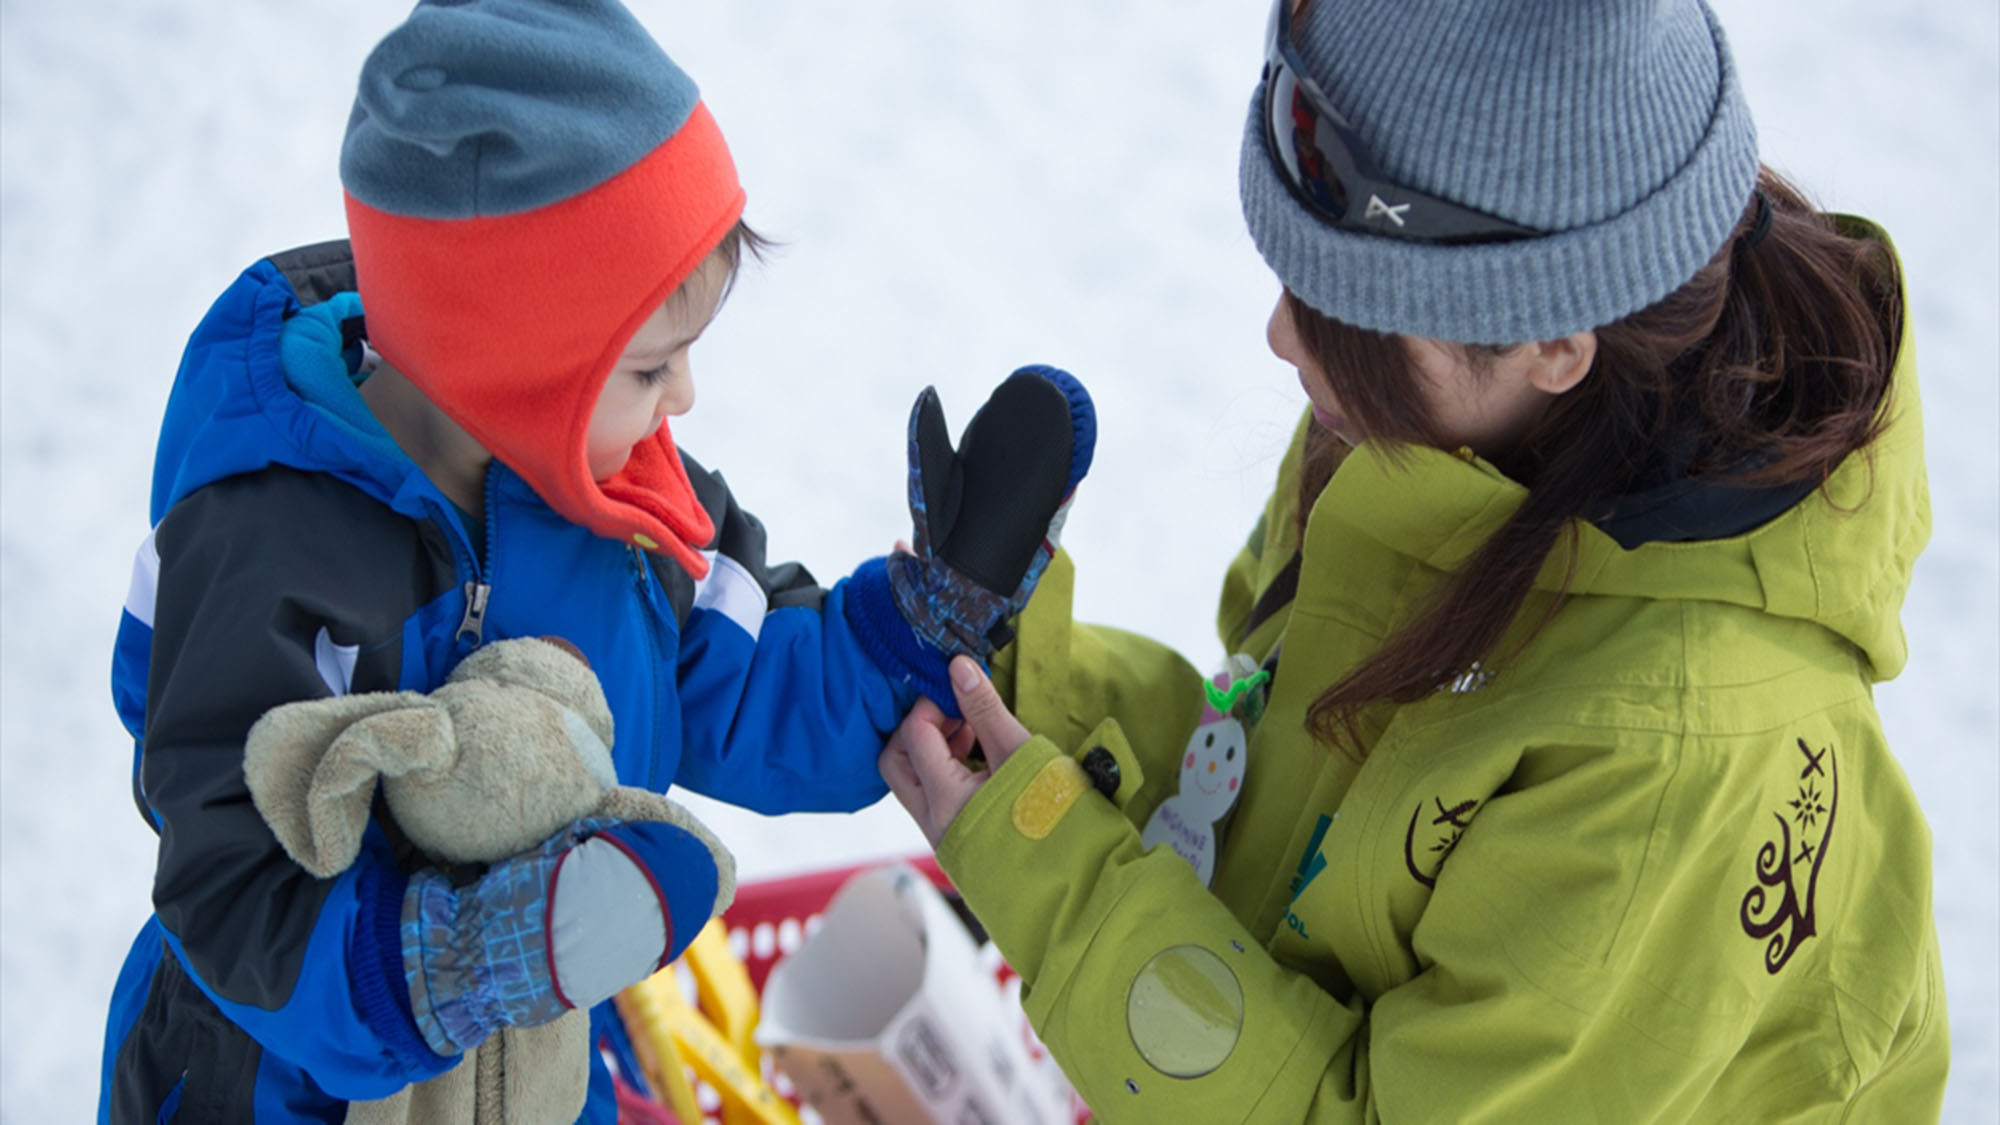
(644, 1009)
(746, 1098)
(727, 998)
(663, 1026)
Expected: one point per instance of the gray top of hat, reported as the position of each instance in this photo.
(1618, 126)
(494, 107)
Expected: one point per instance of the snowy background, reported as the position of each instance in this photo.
(961, 188)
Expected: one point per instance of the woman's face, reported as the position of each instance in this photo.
(1282, 333)
(1480, 400)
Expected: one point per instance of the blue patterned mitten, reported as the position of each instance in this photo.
(600, 905)
(987, 517)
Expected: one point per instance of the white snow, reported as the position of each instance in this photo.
(962, 188)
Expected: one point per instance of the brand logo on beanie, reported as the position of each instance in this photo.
(1379, 210)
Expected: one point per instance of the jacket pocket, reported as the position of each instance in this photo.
(182, 1061)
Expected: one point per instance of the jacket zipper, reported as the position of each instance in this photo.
(472, 625)
(643, 576)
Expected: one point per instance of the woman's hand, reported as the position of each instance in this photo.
(925, 760)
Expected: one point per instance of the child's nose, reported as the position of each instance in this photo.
(676, 400)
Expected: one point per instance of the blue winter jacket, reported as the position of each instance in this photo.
(297, 554)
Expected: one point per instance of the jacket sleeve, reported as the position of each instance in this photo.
(781, 709)
(1064, 678)
(266, 595)
(1519, 1006)
(1223, 1033)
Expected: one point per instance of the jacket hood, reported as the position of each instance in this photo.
(1841, 557)
(233, 410)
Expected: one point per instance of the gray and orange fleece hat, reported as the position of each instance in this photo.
(526, 181)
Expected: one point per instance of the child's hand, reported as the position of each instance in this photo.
(925, 761)
(987, 516)
(598, 906)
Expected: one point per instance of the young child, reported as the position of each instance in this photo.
(1559, 792)
(451, 429)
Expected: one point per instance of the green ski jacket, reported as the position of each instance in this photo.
(1658, 865)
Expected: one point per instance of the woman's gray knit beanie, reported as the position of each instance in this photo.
(1616, 127)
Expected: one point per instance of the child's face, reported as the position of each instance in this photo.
(653, 380)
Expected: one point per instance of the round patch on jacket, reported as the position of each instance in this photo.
(1184, 1011)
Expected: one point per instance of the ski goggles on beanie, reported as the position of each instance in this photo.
(1321, 158)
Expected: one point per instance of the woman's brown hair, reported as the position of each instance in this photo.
(1766, 369)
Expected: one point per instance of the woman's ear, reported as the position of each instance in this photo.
(1556, 366)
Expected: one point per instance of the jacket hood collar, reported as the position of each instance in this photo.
(233, 409)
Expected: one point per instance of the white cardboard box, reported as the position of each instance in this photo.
(888, 1015)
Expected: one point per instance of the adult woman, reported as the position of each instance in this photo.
(1565, 797)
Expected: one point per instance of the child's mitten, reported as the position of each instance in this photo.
(988, 515)
(600, 905)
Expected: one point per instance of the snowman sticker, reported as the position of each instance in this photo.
(1211, 775)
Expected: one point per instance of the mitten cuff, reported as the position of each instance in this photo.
(377, 971)
(1082, 419)
(447, 993)
(898, 652)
